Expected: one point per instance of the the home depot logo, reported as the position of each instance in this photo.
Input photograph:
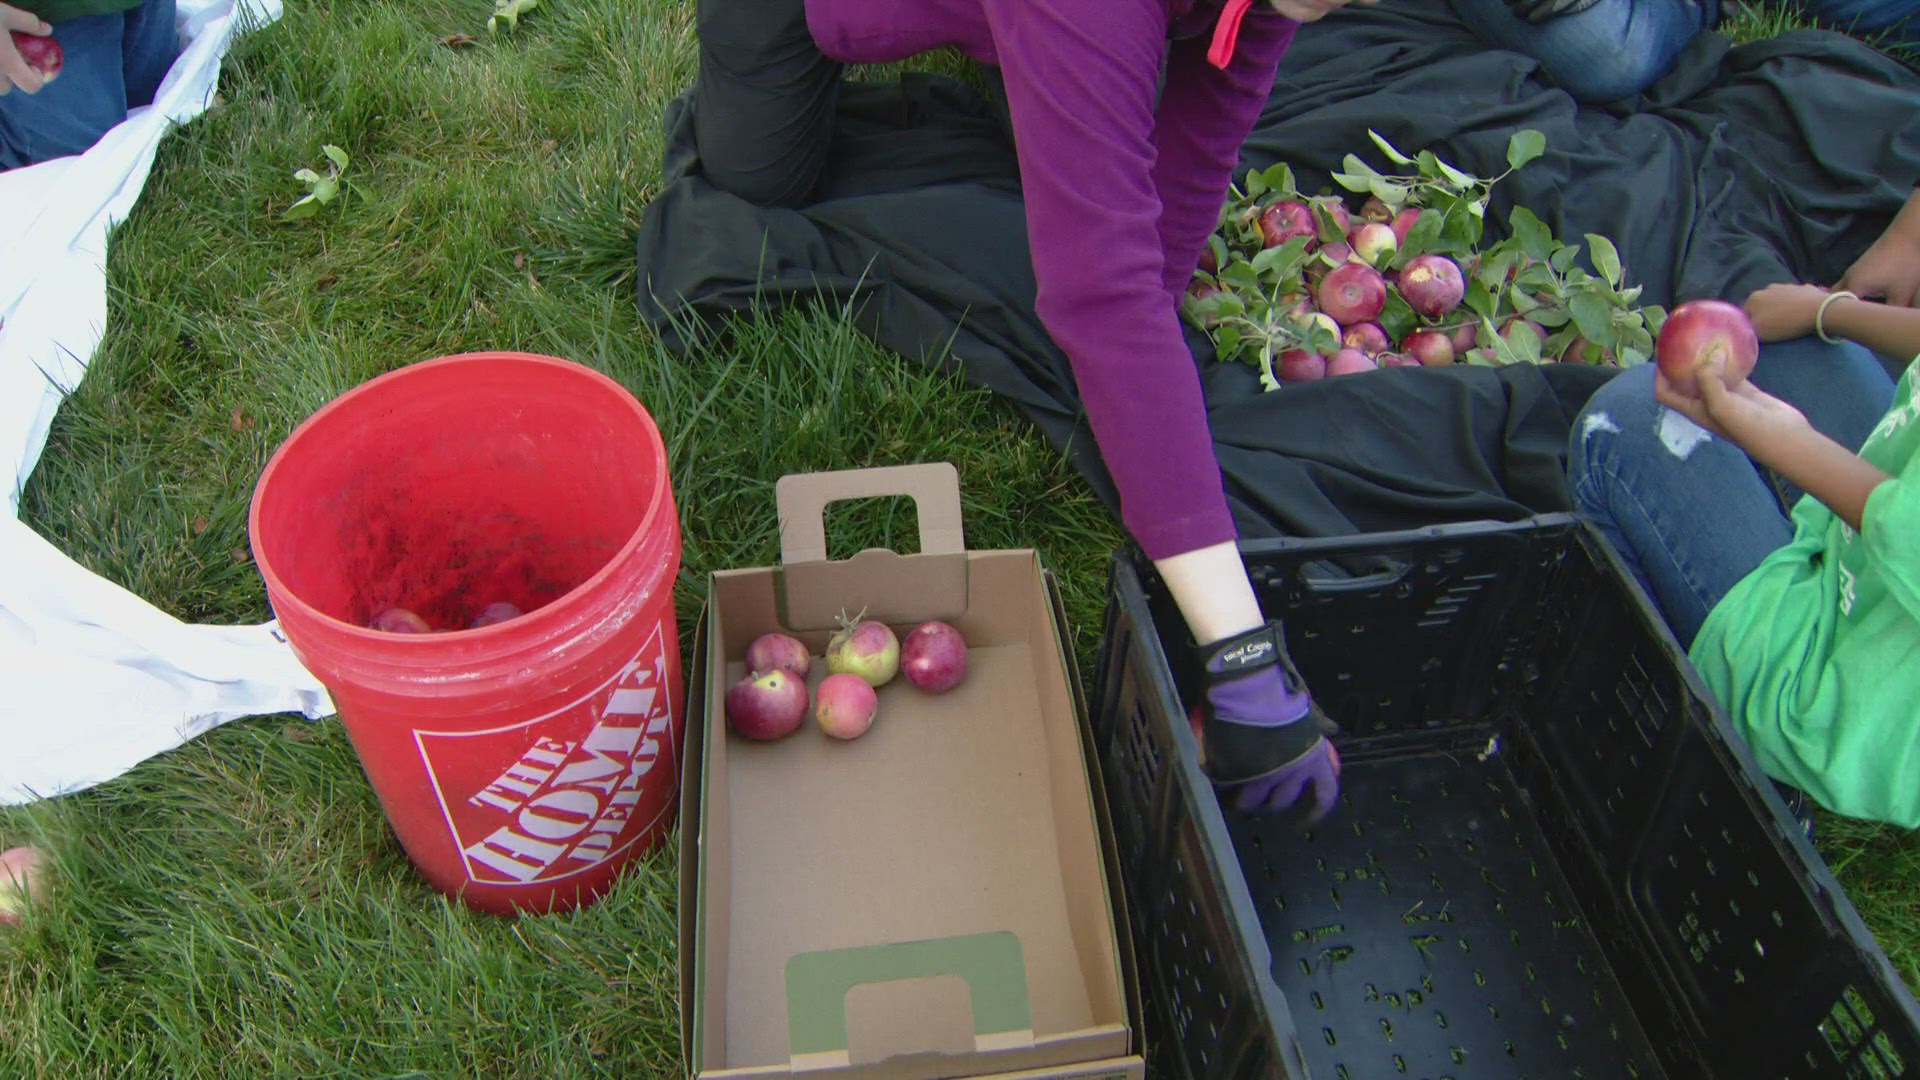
(598, 777)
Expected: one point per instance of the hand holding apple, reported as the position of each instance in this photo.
(1742, 413)
(1705, 333)
(1781, 312)
(29, 56)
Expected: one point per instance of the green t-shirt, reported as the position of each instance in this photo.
(55, 11)
(1816, 653)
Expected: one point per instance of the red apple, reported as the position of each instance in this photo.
(1700, 331)
(1353, 293)
(1375, 210)
(1368, 337)
(41, 53)
(844, 705)
(1337, 209)
(1430, 347)
(783, 651)
(1403, 223)
(1375, 243)
(1464, 336)
(398, 620)
(1283, 221)
(1349, 362)
(1299, 365)
(767, 705)
(497, 612)
(1432, 285)
(933, 656)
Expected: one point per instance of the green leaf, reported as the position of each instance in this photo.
(1455, 176)
(1354, 181)
(1256, 185)
(1330, 230)
(1393, 153)
(1532, 233)
(1503, 350)
(1562, 260)
(1460, 229)
(1606, 258)
(1352, 164)
(1277, 264)
(1592, 314)
(335, 155)
(1630, 357)
(307, 176)
(1240, 275)
(1478, 299)
(305, 208)
(1525, 341)
(1226, 341)
(1478, 207)
(1655, 317)
(1391, 192)
(1398, 318)
(1429, 165)
(1536, 277)
(1549, 316)
(325, 190)
(1524, 146)
(1279, 180)
(1421, 237)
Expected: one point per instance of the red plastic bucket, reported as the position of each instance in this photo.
(525, 763)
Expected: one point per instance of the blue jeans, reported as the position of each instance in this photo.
(1611, 50)
(1689, 514)
(1867, 18)
(113, 63)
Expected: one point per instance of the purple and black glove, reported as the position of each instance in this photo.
(1266, 741)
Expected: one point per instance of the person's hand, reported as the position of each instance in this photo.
(1744, 415)
(1889, 270)
(14, 70)
(1265, 740)
(1781, 311)
(1306, 11)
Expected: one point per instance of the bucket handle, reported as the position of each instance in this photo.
(891, 587)
(992, 964)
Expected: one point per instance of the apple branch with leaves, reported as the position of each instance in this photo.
(321, 190)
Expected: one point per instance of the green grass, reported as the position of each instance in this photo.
(238, 907)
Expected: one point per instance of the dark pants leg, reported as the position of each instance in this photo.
(1613, 49)
(763, 100)
(114, 63)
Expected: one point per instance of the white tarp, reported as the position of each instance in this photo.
(94, 680)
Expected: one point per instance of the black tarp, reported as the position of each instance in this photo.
(1777, 160)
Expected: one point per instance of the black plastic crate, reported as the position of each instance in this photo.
(1553, 858)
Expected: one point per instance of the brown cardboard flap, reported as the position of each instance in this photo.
(802, 500)
(890, 587)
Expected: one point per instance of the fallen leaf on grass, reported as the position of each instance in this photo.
(239, 554)
(200, 524)
(240, 421)
(519, 260)
(508, 12)
(548, 146)
(459, 41)
(296, 733)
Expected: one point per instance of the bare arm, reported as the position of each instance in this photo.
(1890, 269)
(1776, 435)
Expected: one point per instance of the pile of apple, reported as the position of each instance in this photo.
(771, 700)
(1307, 286)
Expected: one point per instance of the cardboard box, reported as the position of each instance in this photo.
(937, 898)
